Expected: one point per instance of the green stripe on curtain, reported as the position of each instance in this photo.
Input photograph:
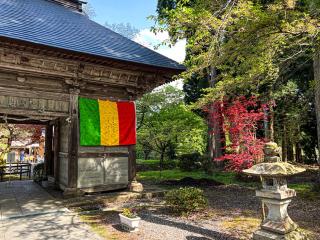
(89, 122)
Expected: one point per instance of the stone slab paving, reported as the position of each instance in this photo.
(28, 212)
(23, 198)
(53, 226)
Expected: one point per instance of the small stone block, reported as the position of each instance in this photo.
(266, 235)
(136, 187)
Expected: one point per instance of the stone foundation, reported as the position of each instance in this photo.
(266, 235)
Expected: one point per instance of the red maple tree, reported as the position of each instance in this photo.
(241, 119)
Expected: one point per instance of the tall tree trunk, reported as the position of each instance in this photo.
(215, 130)
(271, 125)
(298, 153)
(146, 154)
(284, 143)
(316, 68)
(290, 152)
(161, 160)
(268, 122)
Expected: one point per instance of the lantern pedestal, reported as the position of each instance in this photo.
(278, 224)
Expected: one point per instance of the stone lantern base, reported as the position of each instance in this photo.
(266, 235)
(278, 225)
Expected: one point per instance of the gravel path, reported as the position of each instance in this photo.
(159, 227)
(233, 214)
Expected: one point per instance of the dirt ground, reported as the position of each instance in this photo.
(233, 213)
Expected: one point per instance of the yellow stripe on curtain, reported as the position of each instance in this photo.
(109, 123)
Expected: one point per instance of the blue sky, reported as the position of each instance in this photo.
(123, 11)
(136, 12)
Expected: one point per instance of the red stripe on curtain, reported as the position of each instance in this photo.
(127, 123)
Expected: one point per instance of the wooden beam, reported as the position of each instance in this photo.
(73, 140)
(12, 119)
(132, 168)
(70, 55)
(101, 155)
(46, 115)
(11, 91)
(56, 149)
(48, 149)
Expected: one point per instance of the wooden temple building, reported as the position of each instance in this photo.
(51, 55)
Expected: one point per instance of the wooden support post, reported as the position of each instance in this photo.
(132, 163)
(134, 186)
(56, 149)
(48, 149)
(73, 140)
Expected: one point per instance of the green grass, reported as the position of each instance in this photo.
(148, 162)
(176, 174)
(153, 161)
(95, 221)
(303, 189)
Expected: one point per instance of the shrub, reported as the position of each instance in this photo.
(207, 164)
(129, 213)
(316, 187)
(186, 200)
(189, 162)
(169, 164)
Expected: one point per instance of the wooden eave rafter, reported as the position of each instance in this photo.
(16, 119)
(166, 73)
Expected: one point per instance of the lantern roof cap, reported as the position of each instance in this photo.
(275, 169)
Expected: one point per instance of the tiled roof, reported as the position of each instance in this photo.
(46, 23)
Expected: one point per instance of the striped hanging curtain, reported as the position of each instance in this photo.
(106, 123)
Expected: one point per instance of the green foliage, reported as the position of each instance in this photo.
(189, 162)
(295, 118)
(194, 88)
(175, 125)
(166, 125)
(152, 165)
(260, 47)
(250, 43)
(13, 132)
(186, 200)
(129, 213)
(177, 174)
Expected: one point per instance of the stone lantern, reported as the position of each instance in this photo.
(276, 195)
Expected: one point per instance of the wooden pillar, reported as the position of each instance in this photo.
(48, 150)
(73, 140)
(56, 149)
(132, 163)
